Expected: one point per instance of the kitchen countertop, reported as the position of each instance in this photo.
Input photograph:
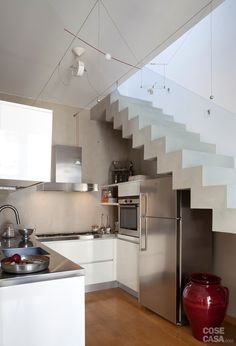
(73, 236)
(59, 266)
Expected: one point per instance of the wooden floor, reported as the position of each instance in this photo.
(114, 318)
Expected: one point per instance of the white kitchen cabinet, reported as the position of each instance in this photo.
(25, 144)
(129, 189)
(96, 256)
(49, 313)
(127, 263)
(99, 272)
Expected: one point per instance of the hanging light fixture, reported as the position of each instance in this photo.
(78, 67)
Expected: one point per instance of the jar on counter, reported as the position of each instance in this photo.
(104, 197)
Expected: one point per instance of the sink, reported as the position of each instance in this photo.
(24, 251)
(86, 236)
(56, 238)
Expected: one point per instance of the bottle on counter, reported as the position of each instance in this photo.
(102, 226)
(108, 227)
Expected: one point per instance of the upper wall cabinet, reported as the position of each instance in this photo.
(25, 144)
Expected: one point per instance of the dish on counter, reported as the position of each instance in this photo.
(24, 264)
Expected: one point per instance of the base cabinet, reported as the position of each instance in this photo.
(96, 256)
(104, 260)
(127, 264)
(49, 313)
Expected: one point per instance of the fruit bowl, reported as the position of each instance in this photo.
(24, 264)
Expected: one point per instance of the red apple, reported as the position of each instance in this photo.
(15, 258)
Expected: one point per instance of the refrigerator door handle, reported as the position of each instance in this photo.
(143, 234)
(143, 222)
(143, 204)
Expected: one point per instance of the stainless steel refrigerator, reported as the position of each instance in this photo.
(175, 241)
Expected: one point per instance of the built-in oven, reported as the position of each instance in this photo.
(129, 216)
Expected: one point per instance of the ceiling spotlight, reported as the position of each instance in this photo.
(108, 56)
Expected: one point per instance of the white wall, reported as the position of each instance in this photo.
(189, 58)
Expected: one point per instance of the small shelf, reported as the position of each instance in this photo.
(109, 185)
(109, 195)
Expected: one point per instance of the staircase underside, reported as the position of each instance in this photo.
(194, 165)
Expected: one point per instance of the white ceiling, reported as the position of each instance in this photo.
(33, 40)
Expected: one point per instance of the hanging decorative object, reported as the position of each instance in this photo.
(150, 91)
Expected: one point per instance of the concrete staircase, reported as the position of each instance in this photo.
(194, 164)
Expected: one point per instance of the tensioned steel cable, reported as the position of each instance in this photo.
(119, 31)
(211, 54)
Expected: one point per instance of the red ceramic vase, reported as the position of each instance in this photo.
(205, 302)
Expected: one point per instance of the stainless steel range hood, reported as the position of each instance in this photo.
(66, 172)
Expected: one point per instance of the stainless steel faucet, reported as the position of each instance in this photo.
(9, 206)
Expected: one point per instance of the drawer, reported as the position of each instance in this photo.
(85, 251)
(99, 272)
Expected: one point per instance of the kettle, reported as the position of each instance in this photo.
(8, 231)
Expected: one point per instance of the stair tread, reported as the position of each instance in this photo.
(175, 130)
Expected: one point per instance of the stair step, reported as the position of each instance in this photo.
(224, 220)
(163, 131)
(173, 144)
(146, 120)
(129, 127)
(231, 196)
(113, 110)
(154, 149)
(98, 112)
(190, 158)
(218, 176)
(203, 176)
(147, 112)
(187, 178)
(214, 197)
(209, 197)
(126, 99)
(119, 119)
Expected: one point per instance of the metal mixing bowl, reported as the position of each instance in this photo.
(26, 232)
